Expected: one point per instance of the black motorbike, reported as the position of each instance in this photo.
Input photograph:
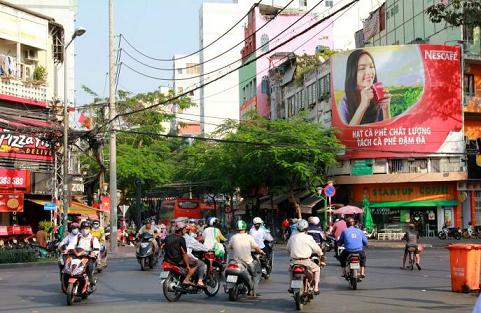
(302, 282)
(329, 243)
(353, 270)
(145, 251)
(242, 279)
(266, 260)
(450, 232)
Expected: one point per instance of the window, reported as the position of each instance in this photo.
(192, 68)
(303, 3)
(265, 85)
(469, 89)
(329, 4)
(264, 43)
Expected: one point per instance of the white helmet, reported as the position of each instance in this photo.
(212, 221)
(302, 225)
(257, 220)
(314, 220)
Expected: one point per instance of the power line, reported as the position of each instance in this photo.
(195, 52)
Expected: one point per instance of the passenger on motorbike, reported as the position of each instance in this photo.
(176, 251)
(213, 237)
(412, 240)
(151, 229)
(69, 242)
(98, 232)
(292, 227)
(90, 245)
(193, 245)
(300, 247)
(260, 235)
(316, 232)
(354, 241)
(242, 245)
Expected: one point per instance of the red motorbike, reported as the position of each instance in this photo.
(75, 281)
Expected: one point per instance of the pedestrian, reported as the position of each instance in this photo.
(41, 236)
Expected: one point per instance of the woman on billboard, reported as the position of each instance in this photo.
(365, 101)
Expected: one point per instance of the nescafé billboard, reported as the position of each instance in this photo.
(394, 101)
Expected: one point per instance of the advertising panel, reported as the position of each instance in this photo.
(23, 146)
(394, 101)
(14, 179)
(11, 202)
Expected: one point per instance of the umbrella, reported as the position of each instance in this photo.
(368, 223)
(349, 209)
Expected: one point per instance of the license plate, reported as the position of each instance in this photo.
(297, 284)
(231, 279)
(164, 275)
(355, 266)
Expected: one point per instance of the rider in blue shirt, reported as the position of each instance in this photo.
(354, 240)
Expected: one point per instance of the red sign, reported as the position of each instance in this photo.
(105, 206)
(11, 202)
(14, 179)
(420, 109)
(22, 146)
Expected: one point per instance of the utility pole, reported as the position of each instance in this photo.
(113, 138)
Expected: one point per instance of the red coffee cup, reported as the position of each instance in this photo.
(378, 90)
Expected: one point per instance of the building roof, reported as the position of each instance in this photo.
(24, 9)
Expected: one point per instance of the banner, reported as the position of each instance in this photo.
(395, 101)
(14, 145)
(14, 179)
(12, 202)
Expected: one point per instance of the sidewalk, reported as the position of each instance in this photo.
(428, 242)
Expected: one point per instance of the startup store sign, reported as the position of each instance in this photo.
(24, 146)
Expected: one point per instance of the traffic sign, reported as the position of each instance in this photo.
(49, 206)
(330, 190)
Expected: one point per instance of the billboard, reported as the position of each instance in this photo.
(23, 146)
(395, 101)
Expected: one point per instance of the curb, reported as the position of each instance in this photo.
(28, 264)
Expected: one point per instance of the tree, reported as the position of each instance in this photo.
(282, 155)
(456, 12)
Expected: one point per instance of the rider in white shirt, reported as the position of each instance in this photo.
(70, 242)
(91, 245)
(260, 233)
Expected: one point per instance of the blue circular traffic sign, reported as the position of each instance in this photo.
(330, 191)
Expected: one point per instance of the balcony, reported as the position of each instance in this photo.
(472, 104)
(23, 89)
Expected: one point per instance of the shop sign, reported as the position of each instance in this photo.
(406, 192)
(361, 167)
(14, 179)
(13, 145)
(385, 211)
(11, 202)
(49, 206)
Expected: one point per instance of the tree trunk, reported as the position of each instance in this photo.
(295, 201)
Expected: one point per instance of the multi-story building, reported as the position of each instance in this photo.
(187, 79)
(30, 50)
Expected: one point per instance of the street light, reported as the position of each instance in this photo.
(77, 33)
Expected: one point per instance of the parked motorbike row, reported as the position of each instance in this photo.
(30, 242)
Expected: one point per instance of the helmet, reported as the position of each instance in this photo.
(294, 220)
(96, 223)
(241, 225)
(350, 221)
(212, 221)
(314, 220)
(302, 225)
(179, 226)
(192, 228)
(257, 220)
(147, 221)
(191, 221)
(85, 224)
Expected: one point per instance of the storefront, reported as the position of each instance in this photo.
(13, 186)
(428, 205)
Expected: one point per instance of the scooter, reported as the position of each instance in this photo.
(145, 254)
(75, 281)
(450, 232)
(302, 283)
(266, 261)
(353, 269)
(329, 243)
(172, 277)
(240, 280)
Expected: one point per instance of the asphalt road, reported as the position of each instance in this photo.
(124, 288)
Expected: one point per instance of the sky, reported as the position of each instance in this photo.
(159, 28)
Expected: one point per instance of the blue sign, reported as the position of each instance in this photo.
(330, 191)
(49, 206)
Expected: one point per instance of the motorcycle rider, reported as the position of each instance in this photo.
(176, 251)
(193, 245)
(412, 240)
(292, 227)
(68, 242)
(337, 230)
(315, 230)
(149, 228)
(213, 237)
(242, 245)
(354, 241)
(260, 235)
(98, 232)
(89, 244)
(300, 247)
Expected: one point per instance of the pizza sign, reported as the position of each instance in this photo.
(12, 202)
(24, 146)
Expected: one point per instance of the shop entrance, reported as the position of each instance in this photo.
(425, 220)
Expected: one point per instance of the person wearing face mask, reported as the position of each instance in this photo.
(90, 244)
(193, 245)
(98, 232)
(68, 243)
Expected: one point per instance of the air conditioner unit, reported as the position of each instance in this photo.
(30, 55)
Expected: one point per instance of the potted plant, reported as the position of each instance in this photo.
(39, 75)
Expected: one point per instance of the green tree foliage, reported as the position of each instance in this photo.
(456, 12)
(308, 63)
(283, 155)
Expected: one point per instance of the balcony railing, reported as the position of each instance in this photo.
(442, 165)
(21, 89)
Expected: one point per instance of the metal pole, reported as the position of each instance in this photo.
(65, 142)
(113, 138)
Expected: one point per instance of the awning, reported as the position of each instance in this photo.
(288, 75)
(414, 203)
(29, 123)
(75, 207)
(308, 203)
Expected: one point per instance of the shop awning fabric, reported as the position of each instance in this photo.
(308, 203)
(425, 203)
(75, 207)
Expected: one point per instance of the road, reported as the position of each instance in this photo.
(124, 288)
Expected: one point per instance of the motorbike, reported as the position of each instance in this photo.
(475, 233)
(302, 283)
(266, 261)
(145, 254)
(353, 268)
(102, 260)
(450, 232)
(172, 277)
(75, 281)
(329, 243)
(239, 279)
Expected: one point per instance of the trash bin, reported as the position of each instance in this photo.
(465, 260)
